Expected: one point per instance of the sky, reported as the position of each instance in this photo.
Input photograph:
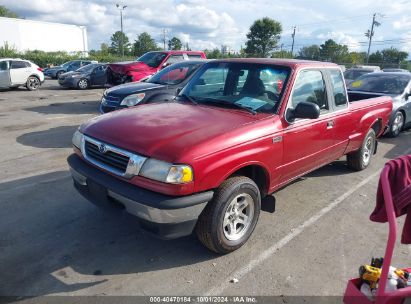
(213, 23)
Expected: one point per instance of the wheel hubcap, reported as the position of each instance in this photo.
(397, 123)
(82, 84)
(238, 216)
(34, 83)
(367, 150)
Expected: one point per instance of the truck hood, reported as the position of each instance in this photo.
(131, 88)
(168, 130)
(124, 67)
(74, 73)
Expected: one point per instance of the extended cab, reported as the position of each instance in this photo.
(238, 131)
(147, 65)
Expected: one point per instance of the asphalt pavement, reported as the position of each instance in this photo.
(54, 242)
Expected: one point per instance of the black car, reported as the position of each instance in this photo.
(161, 87)
(90, 75)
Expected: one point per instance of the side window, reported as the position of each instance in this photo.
(340, 95)
(75, 65)
(194, 56)
(211, 83)
(18, 65)
(4, 65)
(174, 58)
(310, 87)
(99, 70)
(348, 74)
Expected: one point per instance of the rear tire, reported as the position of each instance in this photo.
(227, 221)
(396, 125)
(33, 83)
(360, 159)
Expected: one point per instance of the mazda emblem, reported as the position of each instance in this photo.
(102, 148)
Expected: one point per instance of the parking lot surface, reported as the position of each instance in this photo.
(54, 242)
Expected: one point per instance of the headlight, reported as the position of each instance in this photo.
(77, 139)
(166, 172)
(133, 99)
(179, 174)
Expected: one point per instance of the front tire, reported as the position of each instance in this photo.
(396, 125)
(83, 84)
(58, 74)
(33, 83)
(360, 159)
(227, 221)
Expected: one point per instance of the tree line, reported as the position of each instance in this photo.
(263, 41)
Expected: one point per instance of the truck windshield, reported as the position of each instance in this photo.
(152, 59)
(254, 87)
(175, 73)
(392, 84)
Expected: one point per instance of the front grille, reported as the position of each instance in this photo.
(114, 99)
(111, 159)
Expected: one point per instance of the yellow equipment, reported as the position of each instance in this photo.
(370, 275)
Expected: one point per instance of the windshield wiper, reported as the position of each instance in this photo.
(231, 104)
(189, 98)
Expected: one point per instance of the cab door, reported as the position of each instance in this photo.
(4, 74)
(98, 76)
(308, 142)
(343, 119)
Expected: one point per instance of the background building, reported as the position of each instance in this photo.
(28, 35)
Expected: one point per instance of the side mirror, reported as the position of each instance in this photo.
(178, 90)
(165, 64)
(304, 110)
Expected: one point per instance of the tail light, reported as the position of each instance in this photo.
(40, 69)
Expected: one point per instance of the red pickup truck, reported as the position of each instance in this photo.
(238, 131)
(147, 65)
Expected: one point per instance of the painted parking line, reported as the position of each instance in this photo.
(269, 252)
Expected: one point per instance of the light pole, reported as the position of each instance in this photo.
(370, 34)
(121, 8)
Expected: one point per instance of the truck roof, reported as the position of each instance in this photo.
(292, 63)
(178, 52)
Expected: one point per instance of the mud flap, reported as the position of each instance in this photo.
(268, 203)
(376, 146)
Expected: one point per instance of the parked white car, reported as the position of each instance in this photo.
(15, 72)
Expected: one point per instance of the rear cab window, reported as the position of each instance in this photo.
(338, 89)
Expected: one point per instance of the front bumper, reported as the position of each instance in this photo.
(68, 82)
(107, 105)
(166, 216)
(51, 74)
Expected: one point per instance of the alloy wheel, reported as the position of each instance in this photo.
(238, 216)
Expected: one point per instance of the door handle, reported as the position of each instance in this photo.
(330, 124)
